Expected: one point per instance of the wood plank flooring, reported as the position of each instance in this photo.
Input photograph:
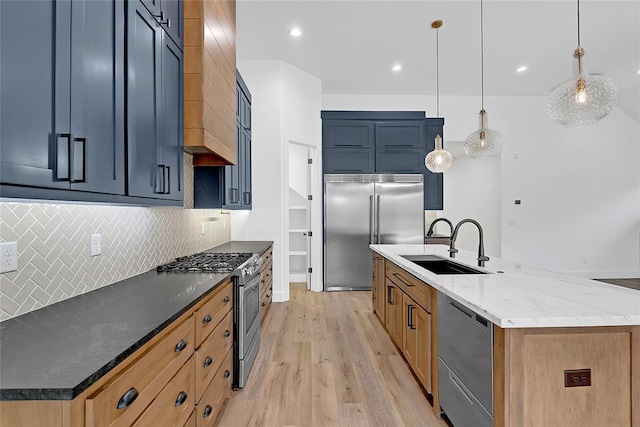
(325, 360)
(627, 283)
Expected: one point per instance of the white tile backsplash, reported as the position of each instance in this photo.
(54, 261)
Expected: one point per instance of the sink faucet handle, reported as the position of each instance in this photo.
(453, 251)
(483, 258)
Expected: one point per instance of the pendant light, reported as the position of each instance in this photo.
(483, 143)
(583, 99)
(438, 160)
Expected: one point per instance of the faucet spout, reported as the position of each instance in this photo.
(482, 258)
(430, 231)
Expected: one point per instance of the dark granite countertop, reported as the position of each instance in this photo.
(57, 352)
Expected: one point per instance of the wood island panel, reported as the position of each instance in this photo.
(529, 367)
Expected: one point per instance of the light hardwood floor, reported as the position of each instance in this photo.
(325, 360)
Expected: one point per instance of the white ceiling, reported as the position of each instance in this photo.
(351, 44)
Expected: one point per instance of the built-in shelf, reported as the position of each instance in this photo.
(298, 253)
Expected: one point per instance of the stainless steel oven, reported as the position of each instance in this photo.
(246, 319)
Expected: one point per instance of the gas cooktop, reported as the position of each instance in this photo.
(212, 262)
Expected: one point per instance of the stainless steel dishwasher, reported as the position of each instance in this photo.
(465, 364)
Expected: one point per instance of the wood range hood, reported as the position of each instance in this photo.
(210, 82)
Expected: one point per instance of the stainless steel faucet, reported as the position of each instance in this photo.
(452, 246)
(430, 231)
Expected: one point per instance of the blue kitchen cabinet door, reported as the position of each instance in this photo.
(232, 192)
(348, 160)
(155, 103)
(244, 157)
(348, 133)
(403, 134)
(62, 122)
(433, 182)
(400, 161)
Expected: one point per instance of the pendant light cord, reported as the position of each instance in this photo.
(482, 52)
(437, 72)
(578, 23)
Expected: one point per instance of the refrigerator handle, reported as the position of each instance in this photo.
(371, 219)
(378, 219)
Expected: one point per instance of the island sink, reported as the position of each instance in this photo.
(439, 265)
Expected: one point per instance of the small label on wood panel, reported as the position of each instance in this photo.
(577, 377)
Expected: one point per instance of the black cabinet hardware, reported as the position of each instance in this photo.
(128, 398)
(182, 344)
(180, 399)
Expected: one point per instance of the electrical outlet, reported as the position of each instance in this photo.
(577, 377)
(96, 244)
(8, 257)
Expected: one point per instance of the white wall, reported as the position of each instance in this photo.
(580, 188)
(285, 106)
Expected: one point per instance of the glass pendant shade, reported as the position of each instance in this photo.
(483, 143)
(583, 99)
(438, 160)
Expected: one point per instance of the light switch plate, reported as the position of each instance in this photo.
(8, 257)
(96, 244)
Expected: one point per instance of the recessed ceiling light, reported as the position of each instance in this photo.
(521, 69)
(397, 67)
(638, 71)
(295, 32)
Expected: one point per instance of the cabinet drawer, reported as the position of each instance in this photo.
(174, 403)
(191, 422)
(265, 299)
(415, 288)
(213, 311)
(266, 278)
(267, 256)
(139, 384)
(211, 403)
(211, 353)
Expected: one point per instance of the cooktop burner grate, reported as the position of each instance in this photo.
(213, 262)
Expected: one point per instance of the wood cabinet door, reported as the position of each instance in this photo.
(35, 57)
(380, 288)
(393, 315)
(410, 331)
(422, 356)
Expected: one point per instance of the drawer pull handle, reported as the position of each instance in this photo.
(182, 344)
(226, 299)
(207, 362)
(182, 397)
(128, 398)
(264, 303)
(226, 374)
(207, 411)
(227, 333)
(402, 280)
(206, 319)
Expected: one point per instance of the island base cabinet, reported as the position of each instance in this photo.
(532, 387)
(393, 313)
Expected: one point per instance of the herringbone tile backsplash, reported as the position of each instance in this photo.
(54, 261)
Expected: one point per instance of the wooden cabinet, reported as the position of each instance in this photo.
(228, 187)
(393, 312)
(355, 142)
(378, 287)
(62, 122)
(154, 95)
(209, 314)
(159, 384)
(408, 317)
(266, 282)
(210, 102)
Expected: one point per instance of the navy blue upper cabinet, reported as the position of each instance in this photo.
(347, 133)
(61, 120)
(154, 98)
(382, 142)
(168, 13)
(230, 186)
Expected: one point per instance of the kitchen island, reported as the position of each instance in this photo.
(545, 326)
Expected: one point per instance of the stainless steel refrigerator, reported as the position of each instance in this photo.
(363, 209)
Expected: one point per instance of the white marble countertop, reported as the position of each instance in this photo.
(523, 296)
